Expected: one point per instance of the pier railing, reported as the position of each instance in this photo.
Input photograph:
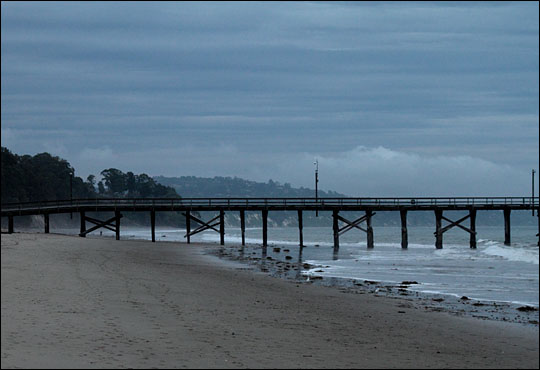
(282, 203)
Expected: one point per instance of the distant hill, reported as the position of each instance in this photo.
(235, 187)
(223, 187)
(218, 187)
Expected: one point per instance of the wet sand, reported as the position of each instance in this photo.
(288, 263)
(96, 302)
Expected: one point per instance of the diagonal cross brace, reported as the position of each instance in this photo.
(204, 225)
(99, 224)
(456, 223)
(351, 224)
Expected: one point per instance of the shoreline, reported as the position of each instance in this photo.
(274, 265)
(97, 302)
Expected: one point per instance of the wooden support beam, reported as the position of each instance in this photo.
(243, 226)
(438, 232)
(472, 214)
(335, 217)
(404, 236)
(83, 225)
(118, 216)
(101, 224)
(10, 224)
(105, 224)
(222, 227)
(153, 224)
(354, 224)
(204, 225)
(351, 224)
(300, 227)
(441, 230)
(188, 225)
(369, 230)
(46, 222)
(455, 223)
(538, 217)
(507, 226)
(265, 227)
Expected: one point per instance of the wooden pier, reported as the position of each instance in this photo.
(369, 206)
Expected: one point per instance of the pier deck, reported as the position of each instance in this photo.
(335, 205)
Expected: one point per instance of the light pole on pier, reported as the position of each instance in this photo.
(316, 163)
(71, 191)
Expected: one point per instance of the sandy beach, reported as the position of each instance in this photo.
(70, 302)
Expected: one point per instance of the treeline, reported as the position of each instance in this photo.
(41, 177)
(44, 177)
(115, 183)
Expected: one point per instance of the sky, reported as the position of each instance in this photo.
(392, 99)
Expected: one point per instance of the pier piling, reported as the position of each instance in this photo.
(153, 224)
(472, 214)
(370, 245)
(188, 226)
(438, 230)
(10, 224)
(222, 227)
(243, 226)
(300, 227)
(83, 225)
(404, 236)
(507, 226)
(265, 227)
(118, 216)
(335, 215)
(46, 222)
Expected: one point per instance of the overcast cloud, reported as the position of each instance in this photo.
(394, 99)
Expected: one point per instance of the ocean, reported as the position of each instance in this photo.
(491, 272)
